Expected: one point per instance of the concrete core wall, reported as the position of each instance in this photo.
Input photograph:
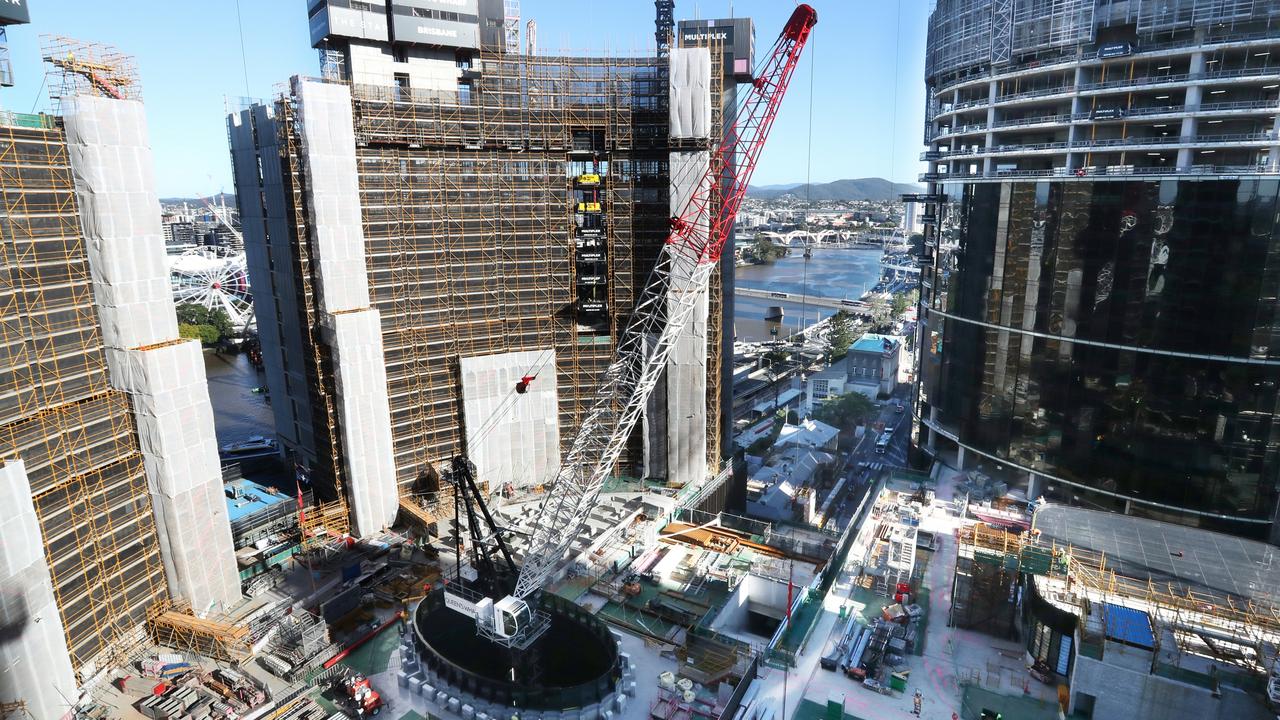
(35, 664)
(686, 378)
(164, 376)
(351, 327)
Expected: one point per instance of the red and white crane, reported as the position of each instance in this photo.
(684, 266)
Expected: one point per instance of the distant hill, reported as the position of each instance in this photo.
(875, 189)
(215, 199)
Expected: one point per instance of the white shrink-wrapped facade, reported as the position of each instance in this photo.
(512, 437)
(163, 375)
(37, 670)
(352, 328)
(686, 391)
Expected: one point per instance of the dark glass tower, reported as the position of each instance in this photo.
(1100, 311)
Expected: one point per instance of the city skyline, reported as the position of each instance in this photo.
(192, 71)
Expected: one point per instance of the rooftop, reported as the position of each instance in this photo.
(874, 342)
(809, 433)
(1186, 558)
(246, 497)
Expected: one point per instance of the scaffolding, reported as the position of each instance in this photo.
(80, 67)
(990, 560)
(172, 624)
(472, 205)
(58, 413)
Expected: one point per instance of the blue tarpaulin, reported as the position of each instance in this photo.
(1129, 626)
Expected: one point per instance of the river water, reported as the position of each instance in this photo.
(238, 412)
(831, 273)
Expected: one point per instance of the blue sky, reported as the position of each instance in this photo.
(863, 55)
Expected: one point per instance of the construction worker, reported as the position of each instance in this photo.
(916, 703)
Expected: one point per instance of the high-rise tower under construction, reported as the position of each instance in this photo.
(447, 220)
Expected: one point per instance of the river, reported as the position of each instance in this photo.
(238, 412)
(831, 272)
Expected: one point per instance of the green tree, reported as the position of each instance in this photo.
(193, 314)
(917, 244)
(206, 334)
(844, 411)
(899, 304)
(881, 314)
(220, 320)
(841, 332)
(765, 250)
(777, 356)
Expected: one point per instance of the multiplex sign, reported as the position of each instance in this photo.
(13, 12)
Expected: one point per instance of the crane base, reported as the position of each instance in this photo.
(575, 662)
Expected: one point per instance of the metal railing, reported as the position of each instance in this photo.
(1070, 60)
(1126, 171)
(1086, 144)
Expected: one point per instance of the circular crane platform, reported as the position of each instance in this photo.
(574, 664)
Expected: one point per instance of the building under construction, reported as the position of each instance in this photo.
(108, 463)
(446, 221)
(1131, 617)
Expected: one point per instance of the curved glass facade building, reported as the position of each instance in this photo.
(1099, 307)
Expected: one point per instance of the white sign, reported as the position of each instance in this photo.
(460, 604)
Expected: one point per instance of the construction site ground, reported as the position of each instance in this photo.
(957, 671)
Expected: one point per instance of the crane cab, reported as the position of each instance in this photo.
(510, 616)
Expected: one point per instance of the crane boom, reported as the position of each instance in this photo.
(680, 276)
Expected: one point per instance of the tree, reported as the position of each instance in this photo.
(777, 356)
(206, 334)
(898, 304)
(881, 314)
(765, 250)
(219, 319)
(840, 335)
(198, 322)
(192, 314)
(844, 411)
(917, 244)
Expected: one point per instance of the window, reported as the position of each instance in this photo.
(400, 53)
(402, 85)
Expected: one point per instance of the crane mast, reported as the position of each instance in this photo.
(684, 266)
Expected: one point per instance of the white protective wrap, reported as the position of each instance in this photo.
(687, 366)
(35, 665)
(690, 96)
(170, 398)
(115, 187)
(333, 194)
(512, 437)
(361, 374)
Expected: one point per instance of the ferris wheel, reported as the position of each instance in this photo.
(213, 278)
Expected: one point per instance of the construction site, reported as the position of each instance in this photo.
(465, 261)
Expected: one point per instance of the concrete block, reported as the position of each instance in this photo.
(454, 705)
(402, 679)
(468, 712)
(415, 685)
(427, 690)
(442, 698)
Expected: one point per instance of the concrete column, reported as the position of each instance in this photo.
(960, 457)
(1273, 161)
(164, 375)
(1195, 95)
(1035, 486)
(686, 377)
(35, 664)
(351, 327)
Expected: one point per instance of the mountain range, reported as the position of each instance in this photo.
(874, 189)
